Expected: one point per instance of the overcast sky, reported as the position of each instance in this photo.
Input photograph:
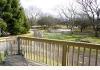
(47, 6)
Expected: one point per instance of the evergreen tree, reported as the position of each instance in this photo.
(2, 27)
(13, 14)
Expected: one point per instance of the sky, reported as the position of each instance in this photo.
(47, 6)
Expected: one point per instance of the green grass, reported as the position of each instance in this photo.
(73, 37)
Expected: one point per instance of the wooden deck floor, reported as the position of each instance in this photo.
(18, 60)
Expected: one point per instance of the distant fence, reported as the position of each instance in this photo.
(59, 53)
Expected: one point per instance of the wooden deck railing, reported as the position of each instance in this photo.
(59, 53)
(8, 46)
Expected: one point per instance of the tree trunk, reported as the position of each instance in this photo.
(96, 33)
(81, 29)
(72, 30)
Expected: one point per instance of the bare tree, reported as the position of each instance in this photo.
(92, 10)
(69, 14)
(33, 13)
(83, 22)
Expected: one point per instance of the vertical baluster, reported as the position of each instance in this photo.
(83, 56)
(49, 57)
(46, 46)
(52, 47)
(11, 47)
(39, 51)
(25, 45)
(6, 52)
(58, 54)
(7, 47)
(29, 54)
(50, 53)
(31, 49)
(43, 51)
(18, 45)
(14, 45)
(34, 49)
(64, 55)
(78, 56)
(23, 48)
(89, 56)
(21, 51)
(53, 53)
(29, 46)
(26, 48)
(72, 55)
(67, 55)
(96, 57)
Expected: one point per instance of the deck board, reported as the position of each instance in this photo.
(18, 60)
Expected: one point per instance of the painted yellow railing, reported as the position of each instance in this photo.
(59, 53)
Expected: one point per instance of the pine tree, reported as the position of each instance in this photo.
(13, 14)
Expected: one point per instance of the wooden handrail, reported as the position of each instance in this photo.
(61, 42)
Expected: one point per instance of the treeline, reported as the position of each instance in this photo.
(85, 14)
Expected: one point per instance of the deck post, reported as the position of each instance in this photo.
(64, 51)
(18, 41)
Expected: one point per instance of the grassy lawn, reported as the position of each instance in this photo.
(73, 37)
